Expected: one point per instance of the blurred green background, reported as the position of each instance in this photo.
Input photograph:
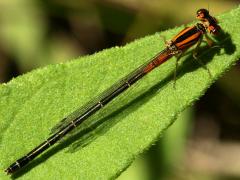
(204, 141)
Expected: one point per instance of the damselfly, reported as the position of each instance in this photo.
(185, 39)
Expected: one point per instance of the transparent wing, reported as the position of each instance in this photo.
(76, 114)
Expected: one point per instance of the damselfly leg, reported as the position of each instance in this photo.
(198, 60)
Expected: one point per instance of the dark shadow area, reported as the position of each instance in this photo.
(103, 124)
(206, 53)
(8, 66)
(157, 163)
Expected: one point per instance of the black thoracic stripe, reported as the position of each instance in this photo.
(186, 35)
(193, 41)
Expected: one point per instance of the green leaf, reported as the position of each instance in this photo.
(33, 103)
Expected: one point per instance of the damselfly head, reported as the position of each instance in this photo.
(202, 14)
(209, 22)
